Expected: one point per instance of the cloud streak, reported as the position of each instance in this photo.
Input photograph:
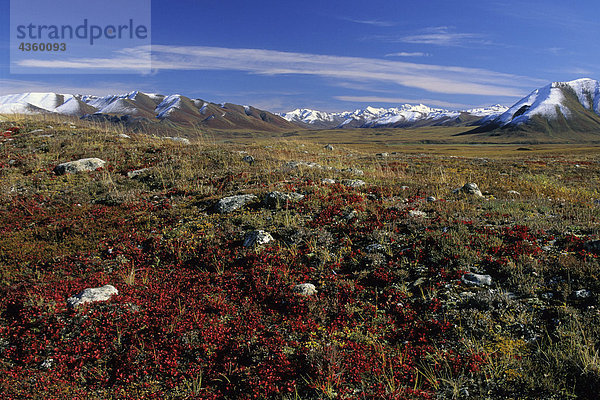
(408, 54)
(443, 36)
(432, 78)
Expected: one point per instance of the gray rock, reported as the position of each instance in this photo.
(354, 183)
(328, 147)
(124, 136)
(305, 289)
(178, 140)
(581, 294)
(404, 187)
(353, 171)
(279, 199)
(83, 165)
(469, 188)
(431, 199)
(328, 181)
(37, 131)
(376, 248)
(249, 159)
(257, 238)
(232, 203)
(476, 279)
(514, 192)
(416, 214)
(137, 173)
(382, 155)
(90, 295)
(299, 164)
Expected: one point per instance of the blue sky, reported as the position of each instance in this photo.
(333, 56)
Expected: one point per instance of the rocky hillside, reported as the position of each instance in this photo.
(138, 267)
(145, 108)
(568, 110)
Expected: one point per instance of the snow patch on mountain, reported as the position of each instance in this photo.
(168, 105)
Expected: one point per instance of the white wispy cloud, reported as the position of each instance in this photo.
(408, 54)
(432, 78)
(399, 100)
(373, 22)
(443, 36)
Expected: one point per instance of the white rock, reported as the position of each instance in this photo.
(328, 147)
(469, 188)
(124, 136)
(328, 181)
(257, 238)
(90, 295)
(232, 203)
(305, 289)
(280, 199)
(476, 279)
(137, 173)
(354, 183)
(83, 165)
(178, 140)
(514, 192)
(416, 214)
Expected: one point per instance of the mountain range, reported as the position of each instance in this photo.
(139, 108)
(557, 110)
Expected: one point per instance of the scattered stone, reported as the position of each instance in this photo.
(83, 165)
(351, 215)
(382, 155)
(124, 136)
(257, 238)
(37, 131)
(431, 199)
(416, 214)
(49, 127)
(469, 188)
(249, 159)
(403, 187)
(305, 289)
(298, 164)
(581, 294)
(514, 192)
(353, 171)
(353, 183)
(476, 279)
(90, 295)
(280, 199)
(178, 140)
(137, 173)
(328, 147)
(375, 248)
(232, 203)
(328, 181)
(72, 127)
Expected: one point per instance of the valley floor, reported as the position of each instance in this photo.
(420, 291)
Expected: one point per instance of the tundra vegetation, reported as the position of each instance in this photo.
(399, 287)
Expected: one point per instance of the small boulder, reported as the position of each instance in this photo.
(416, 214)
(90, 295)
(328, 181)
(383, 155)
(138, 172)
(124, 136)
(257, 238)
(248, 159)
(83, 165)
(305, 289)
(431, 199)
(232, 203)
(469, 188)
(353, 183)
(476, 279)
(279, 199)
(328, 147)
(180, 140)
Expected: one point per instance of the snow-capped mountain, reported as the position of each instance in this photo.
(402, 116)
(146, 107)
(555, 108)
